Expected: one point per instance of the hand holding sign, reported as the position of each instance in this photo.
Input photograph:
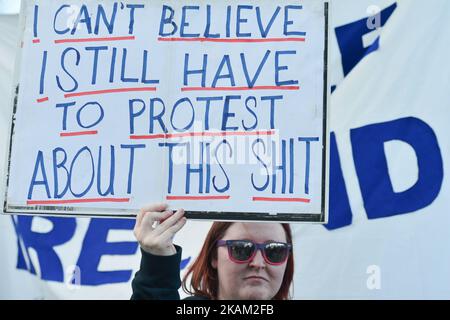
(157, 238)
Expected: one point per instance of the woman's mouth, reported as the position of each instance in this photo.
(255, 278)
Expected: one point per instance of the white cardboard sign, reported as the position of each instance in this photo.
(217, 107)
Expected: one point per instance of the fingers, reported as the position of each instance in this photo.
(169, 221)
(158, 240)
(151, 217)
(171, 231)
(154, 207)
(157, 207)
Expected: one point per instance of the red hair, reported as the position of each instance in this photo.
(204, 280)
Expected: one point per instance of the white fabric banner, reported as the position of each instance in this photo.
(389, 192)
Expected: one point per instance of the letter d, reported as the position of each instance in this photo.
(380, 200)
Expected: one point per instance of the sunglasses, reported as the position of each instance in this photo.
(243, 251)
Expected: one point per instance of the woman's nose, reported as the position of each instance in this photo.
(258, 260)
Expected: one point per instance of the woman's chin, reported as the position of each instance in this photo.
(255, 294)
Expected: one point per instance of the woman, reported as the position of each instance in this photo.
(237, 261)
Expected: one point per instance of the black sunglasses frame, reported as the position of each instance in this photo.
(255, 246)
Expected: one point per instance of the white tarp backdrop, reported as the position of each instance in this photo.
(389, 199)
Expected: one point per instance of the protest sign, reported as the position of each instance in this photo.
(218, 108)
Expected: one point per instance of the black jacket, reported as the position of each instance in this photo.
(159, 278)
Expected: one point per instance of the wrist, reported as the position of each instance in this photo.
(168, 251)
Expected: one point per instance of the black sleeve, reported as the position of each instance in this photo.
(158, 277)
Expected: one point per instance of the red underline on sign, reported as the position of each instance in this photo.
(232, 40)
(37, 202)
(89, 93)
(95, 39)
(202, 134)
(281, 199)
(79, 133)
(42, 100)
(197, 197)
(36, 41)
(240, 88)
